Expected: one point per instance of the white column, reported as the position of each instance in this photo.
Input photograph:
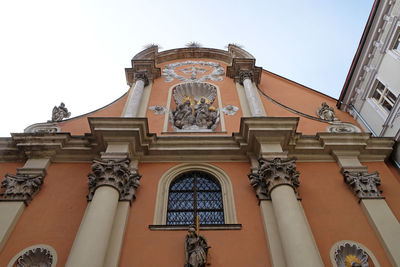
(91, 243)
(135, 97)
(298, 246)
(32, 172)
(255, 108)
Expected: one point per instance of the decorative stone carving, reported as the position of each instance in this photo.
(245, 74)
(169, 71)
(141, 76)
(272, 173)
(259, 185)
(21, 187)
(60, 113)
(49, 127)
(196, 249)
(195, 90)
(350, 255)
(40, 257)
(158, 109)
(326, 112)
(115, 173)
(230, 110)
(342, 127)
(194, 111)
(364, 184)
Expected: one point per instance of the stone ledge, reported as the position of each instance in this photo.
(202, 227)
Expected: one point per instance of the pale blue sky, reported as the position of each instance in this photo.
(76, 51)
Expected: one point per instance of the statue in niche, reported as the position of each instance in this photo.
(196, 249)
(326, 112)
(60, 113)
(190, 116)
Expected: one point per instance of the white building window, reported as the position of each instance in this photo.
(383, 96)
(396, 46)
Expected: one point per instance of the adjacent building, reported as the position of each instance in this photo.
(372, 88)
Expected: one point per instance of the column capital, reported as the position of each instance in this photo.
(363, 184)
(117, 174)
(147, 66)
(245, 74)
(21, 187)
(273, 173)
(245, 65)
(141, 76)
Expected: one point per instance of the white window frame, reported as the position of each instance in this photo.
(160, 213)
(383, 96)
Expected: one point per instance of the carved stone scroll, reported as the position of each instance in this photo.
(364, 184)
(35, 257)
(272, 173)
(21, 187)
(117, 174)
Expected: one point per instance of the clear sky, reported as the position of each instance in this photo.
(75, 51)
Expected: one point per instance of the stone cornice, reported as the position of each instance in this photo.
(145, 67)
(148, 147)
(239, 65)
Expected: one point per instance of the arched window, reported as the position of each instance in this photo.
(193, 194)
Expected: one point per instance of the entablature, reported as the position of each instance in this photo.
(255, 137)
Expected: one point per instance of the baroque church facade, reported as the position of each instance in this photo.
(207, 160)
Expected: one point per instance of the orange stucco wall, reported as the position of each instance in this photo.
(9, 168)
(80, 125)
(54, 215)
(282, 90)
(297, 97)
(333, 211)
(245, 247)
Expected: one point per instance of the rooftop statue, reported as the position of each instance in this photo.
(60, 113)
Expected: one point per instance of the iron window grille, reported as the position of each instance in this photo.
(195, 194)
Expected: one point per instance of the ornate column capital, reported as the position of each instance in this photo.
(117, 174)
(363, 184)
(141, 76)
(273, 173)
(21, 187)
(245, 74)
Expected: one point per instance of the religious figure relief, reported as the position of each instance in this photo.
(326, 112)
(364, 184)
(196, 249)
(194, 111)
(170, 71)
(60, 113)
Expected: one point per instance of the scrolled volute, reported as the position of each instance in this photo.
(117, 174)
(278, 172)
(21, 187)
(363, 184)
(259, 185)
